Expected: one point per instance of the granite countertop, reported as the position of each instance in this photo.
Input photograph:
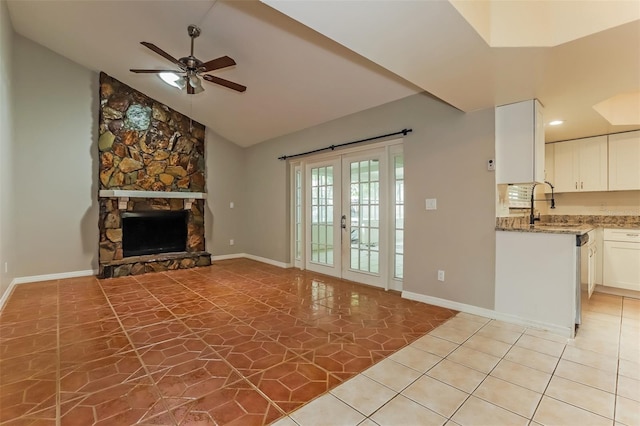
(566, 224)
(549, 228)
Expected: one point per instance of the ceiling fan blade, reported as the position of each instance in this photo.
(154, 71)
(225, 83)
(216, 64)
(161, 53)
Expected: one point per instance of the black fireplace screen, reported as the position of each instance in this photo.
(154, 232)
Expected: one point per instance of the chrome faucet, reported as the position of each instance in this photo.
(532, 216)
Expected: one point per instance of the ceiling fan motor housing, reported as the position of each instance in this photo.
(194, 31)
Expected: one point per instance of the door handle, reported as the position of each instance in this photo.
(343, 222)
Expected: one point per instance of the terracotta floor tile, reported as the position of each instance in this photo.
(37, 365)
(95, 375)
(237, 404)
(21, 346)
(343, 360)
(74, 333)
(163, 355)
(11, 330)
(195, 378)
(293, 383)
(89, 350)
(236, 343)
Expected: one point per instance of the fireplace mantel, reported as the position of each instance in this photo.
(124, 195)
(120, 193)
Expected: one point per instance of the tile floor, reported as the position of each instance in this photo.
(238, 343)
(476, 371)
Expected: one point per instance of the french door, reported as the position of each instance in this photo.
(350, 217)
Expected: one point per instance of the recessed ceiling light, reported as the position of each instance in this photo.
(170, 78)
(555, 122)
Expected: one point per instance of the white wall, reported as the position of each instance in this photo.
(55, 167)
(225, 184)
(445, 158)
(6, 144)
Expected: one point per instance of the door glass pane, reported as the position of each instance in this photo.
(322, 215)
(398, 168)
(298, 214)
(364, 213)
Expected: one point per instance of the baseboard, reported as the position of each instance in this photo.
(228, 256)
(60, 276)
(617, 291)
(268, 261)
(487, 313)
(252, 257)
(7, 293)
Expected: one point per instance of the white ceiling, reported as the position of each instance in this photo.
(298, 78)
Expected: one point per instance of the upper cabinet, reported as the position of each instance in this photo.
(624, 161)
(520, 148)
(581, 165)
(549, 171)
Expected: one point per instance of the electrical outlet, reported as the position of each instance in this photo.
(431, 204)
(231, 242)
(440, 275)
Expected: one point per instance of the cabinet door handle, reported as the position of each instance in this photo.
(576, 185)
(633, 235)
(581, 185)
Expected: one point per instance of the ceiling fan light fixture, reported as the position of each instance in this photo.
(171, 79)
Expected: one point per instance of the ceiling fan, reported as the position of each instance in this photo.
(192, 68)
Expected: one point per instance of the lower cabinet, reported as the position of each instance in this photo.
(621, 260)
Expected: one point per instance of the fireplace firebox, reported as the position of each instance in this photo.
(154, 232)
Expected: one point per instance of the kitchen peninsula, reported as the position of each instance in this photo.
(538, 268)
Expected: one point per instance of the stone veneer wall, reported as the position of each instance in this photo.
(147, 146)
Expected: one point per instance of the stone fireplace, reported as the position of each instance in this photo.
(151, 185)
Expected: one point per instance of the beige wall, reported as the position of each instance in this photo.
(55, 166)
(6, 145)
(445, 158)
(225, 184)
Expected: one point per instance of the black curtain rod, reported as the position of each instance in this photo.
(332, 147)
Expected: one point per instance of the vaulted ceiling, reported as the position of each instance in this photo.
(306, 63)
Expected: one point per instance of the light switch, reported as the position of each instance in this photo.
(231, 205)
(430, 204)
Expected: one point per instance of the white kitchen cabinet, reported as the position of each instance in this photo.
(599, 248)
(624, 161)
(589, 264)
(549, 161)
(581, 165)
(520, 143)
(622, 258)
